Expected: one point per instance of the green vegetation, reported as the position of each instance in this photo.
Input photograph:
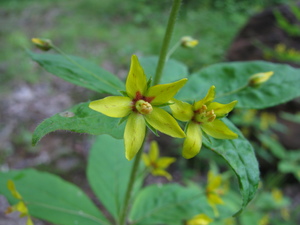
(108, 35)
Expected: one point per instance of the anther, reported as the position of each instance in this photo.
(143, 107)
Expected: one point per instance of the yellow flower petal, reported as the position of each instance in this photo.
(214, 199)
(164, 92)
(221, 110)
(164, 122)
(146, 159)
(200, 219)
(136, 79)
(218, 129)
(154, 152)
(113, 106)
(193, 141)
(207, 99)
(29, 221)
(134, 134)
(165, 162)
(214, 181)
(181, 110)
(22, 208)
(163, 173)
(260, 78)
(12, 188)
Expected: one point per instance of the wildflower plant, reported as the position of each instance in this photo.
(158, 95)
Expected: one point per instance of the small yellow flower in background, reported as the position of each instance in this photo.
(214, 190)
(188, 42)
(280, 48)
(259, 78)
(141, 105)
(200, 219)
(202, 116)
(277, 195)
(229, 221)
(267, 120)
(285, 213)
(157, 165)
(20, 206)
(44, 44)
(249, 116)
(265, 220)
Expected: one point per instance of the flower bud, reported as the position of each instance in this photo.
(188, 42)
(259, 78)
(44, 44)
(143, 107)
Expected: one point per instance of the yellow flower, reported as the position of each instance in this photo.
(259, 78)
(156, 164)
(44, 44)
(141, 105)
(202, 116)
(200, 219)
(265, 220)
(277, 195)
(267, 120)
(214, 191)
(285, 213)
(20, 206)
(188, 42)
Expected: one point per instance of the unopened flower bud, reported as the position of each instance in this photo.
(143, 107)
(259, 78)
(188, 42)
(44, 44)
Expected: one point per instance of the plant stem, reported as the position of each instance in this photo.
(166, 41)
(232, 92)
(157, 77)
(172, 50)
(134, 170)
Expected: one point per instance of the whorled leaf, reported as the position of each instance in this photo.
(240, 156)
(229, 77)
(81, 119)
(167, 204)
(50, 198)
(79, 71)
(108, 173)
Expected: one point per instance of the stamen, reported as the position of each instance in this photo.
(143, 107)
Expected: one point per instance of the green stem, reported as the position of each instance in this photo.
(232, 92)
(172, 50)
(157, 77)
(134, 170)
(166, 41)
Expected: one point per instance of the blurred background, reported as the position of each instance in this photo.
(108, 33)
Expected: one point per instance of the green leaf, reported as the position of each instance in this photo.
(228, 77)
(108, 173)
(80, 72)
(173, 69)
(50, 198)
(80, 118)
(273, 145)
(240, 156)
(168, 204)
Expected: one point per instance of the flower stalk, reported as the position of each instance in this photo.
(133, 173)
(166, 41)
(156, 80)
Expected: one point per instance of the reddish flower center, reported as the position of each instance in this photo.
(142, 104)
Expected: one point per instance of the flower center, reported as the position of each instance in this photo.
(203, 116)
(143, 107)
